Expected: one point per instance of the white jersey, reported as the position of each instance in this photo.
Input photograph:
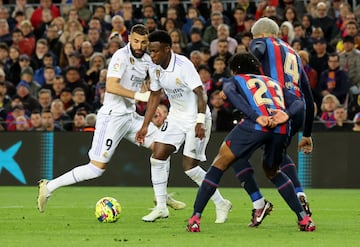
(178, 80)
(132, 72)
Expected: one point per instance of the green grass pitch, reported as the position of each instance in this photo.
(69, 220)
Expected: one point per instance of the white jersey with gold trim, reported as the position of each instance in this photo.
(132, 72)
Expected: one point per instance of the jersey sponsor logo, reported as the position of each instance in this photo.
(136, 81)
(116, 67)
(175, 93)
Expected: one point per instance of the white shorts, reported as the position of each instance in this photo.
(174, 133)
(110, 129)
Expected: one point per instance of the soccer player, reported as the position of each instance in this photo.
(188, 122)
(117, 118)
(263, 102)
(280, 62)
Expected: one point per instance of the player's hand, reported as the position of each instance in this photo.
(140, 135)
(305, 145)
(263, 121)
(222, 95)
(200, 130)
(278, 116)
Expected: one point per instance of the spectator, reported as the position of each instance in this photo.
(327, 24)
(25, 45)
(11, 119)
(66, 98)
(287, 32)
(299, 34)
(128, 14)
(222, 51)
(223, 32)
(44, 99)
(73, 80)
(79, 99)
(118, 25)
(191, 15)
(204, 55)
(23, 6)
(27, 76)
(350, 60)
(306, 22)
(44, 4)
(35, 121)
(52, 37)
(341, 122)
(310, 72)
(71, 29)
(220, 72)
(4, 53)
(247, 5)
(76, 60)
(351, 29)
(4, 100)
(196, 42)
(356, 122)
(60, 23)
(61, 119)
(113, 46)
(328, 106)
(97, 23)
(177, 37)
(210, 32)
(47, 61)
(290, 14)
(5, 35)
(79, 121)
(22, 124)
(97, 63)
(46, 19)
(57, 86)
(334, 80)
(47, 121)
(90, 121)
(151, 23)
(318, 58)
(195, 58)
(27, 31)
(82, 9)
(205, 77)
(87, 50)
(29, 102)
(222, 119)
(66, 50)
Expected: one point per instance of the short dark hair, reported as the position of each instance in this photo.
(244, 63)
(139, 29)
(160, 36)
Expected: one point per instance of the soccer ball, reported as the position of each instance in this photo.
(107, 210)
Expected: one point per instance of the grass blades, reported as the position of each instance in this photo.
(69, 219)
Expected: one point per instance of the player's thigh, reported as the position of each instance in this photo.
(171, 133)
(274, 151)
(243, 141)
(194, 147)
(136, 124)
(109, 130)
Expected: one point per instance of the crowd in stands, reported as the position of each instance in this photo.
(54, 55)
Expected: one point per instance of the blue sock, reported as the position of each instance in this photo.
(245, 173)
(287, 191)
(207, 189)
(288, 167)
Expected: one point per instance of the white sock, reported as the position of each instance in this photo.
(301, 194)
(260, 203)
(197, 174)
(78, 174)
(159, 178)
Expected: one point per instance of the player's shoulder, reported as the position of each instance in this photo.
(182, 61)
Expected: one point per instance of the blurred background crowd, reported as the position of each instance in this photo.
(54, 55)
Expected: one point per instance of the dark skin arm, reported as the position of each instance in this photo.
(201, 105)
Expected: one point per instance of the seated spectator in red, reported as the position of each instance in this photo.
(11, 119)
(37, 14)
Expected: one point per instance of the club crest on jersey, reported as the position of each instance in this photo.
(158, 73)
(178, 82)
(116, 67)
(132, 60)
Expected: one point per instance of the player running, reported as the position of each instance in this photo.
(117, 118)
(188, 122)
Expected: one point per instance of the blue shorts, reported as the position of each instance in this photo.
(243, 142)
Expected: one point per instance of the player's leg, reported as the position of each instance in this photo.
(159, 177)
(209, 186)
(148, 143)
(109, 131)
(194, 151)
(273, 152)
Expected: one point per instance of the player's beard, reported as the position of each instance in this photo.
(137, 53)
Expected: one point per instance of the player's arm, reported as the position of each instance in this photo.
(309, 104)
(201, 107)
(239, 101)
(113, 86)
(154, 101)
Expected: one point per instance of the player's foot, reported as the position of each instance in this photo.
(193, 224)
(258, 215)
(305, 205)
(222, 211)
(156, 213)
(171, 202)
(306, 224)
(43, 195)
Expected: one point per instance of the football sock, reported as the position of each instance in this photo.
(245, 173)
(207, 189)
(197, 174)
(78, 174)
(288, 167)
(287, 191)
(159, 178)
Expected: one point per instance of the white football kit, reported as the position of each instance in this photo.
(117, 118)
(179, 80)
